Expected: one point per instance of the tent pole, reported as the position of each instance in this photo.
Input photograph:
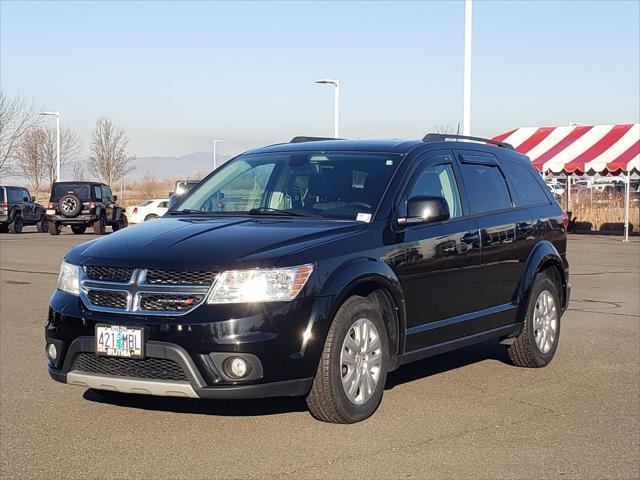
(568, 193)
(627, 184)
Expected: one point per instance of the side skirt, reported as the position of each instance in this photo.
(480, 337)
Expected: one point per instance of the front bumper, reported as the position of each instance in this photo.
(286, 337)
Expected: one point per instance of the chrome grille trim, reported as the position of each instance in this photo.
(137, 288)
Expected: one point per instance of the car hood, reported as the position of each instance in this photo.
(209, 243)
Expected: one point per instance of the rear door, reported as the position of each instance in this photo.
(506, 230)
(438, 263)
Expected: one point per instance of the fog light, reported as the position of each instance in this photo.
(52, 351)
(236, 367)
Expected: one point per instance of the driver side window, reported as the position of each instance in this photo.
(438, 181)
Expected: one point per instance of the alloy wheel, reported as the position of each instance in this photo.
(361, 361)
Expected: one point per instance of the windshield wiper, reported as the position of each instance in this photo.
(188, 211)
(274, 211)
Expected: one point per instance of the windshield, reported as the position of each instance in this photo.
(82, 190)
(340, 185)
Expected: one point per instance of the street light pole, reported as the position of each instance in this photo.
(336, 104)
(215, 141)
(468, 21)
(57, 115)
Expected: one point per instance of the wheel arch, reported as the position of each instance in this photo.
(544, 257)
(376, 281)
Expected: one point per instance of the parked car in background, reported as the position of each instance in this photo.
(147, 210)
(19, 208)
(313, 268)
(84, 204)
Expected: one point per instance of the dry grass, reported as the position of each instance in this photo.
(602, 211)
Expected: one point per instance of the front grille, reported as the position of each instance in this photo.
(151, 368)
(109, 274)
(102, 298)
(179, 277)
(169, 303)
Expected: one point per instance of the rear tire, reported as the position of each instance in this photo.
(78, 229)
(536, 345)
(99, 226)
(43, 225)
(16, 224)
(54, 228)
(328, 399)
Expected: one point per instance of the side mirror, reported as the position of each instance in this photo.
(33, 199)
(115, 198)
(425, 209)
(170, 193)
(173, 199)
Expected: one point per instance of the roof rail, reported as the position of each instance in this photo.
(437, 137)
(303, 139)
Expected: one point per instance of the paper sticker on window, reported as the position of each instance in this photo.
(363, 217)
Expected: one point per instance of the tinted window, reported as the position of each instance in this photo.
(14, 195)
(486, 188)
(1, 194)
(439, 181)
(81, 190)
(98, 192)
(528, 190)
(25, 195)
(106, 193)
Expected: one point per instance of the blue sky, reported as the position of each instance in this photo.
(175, 75)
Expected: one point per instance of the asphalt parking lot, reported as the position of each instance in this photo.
(466, 414)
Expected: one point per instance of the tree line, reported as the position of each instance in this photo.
(28, 148)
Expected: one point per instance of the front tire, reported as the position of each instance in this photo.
(99, 226)
(16, 224)
(536, 345)
(120, 224)
(349, 382)
(151, 216)
(43, 225)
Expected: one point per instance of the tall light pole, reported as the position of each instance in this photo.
(468, 20)
(57, 115)
(215, 141)
(336, 104)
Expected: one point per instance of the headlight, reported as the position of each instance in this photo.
(69, 278)
(245, 286)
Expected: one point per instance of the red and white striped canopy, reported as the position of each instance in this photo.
(579, 149)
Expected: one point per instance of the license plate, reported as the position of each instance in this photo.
(51, 212)
(119, 341)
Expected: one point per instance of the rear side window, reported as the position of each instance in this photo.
(98, 192)
(486, 188)
(14, 195)
(528, 189)
(1, 194)
(145, 203)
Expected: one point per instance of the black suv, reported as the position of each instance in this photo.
(315, 268)
(82, 205)
(19, 208)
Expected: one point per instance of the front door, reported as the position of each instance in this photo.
(27, 206)
(437, 264)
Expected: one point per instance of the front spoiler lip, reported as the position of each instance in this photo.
(287, 388)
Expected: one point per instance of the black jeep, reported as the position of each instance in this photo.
(19, 208)
(84, 204)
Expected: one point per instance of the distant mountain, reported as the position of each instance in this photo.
(191, 165)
